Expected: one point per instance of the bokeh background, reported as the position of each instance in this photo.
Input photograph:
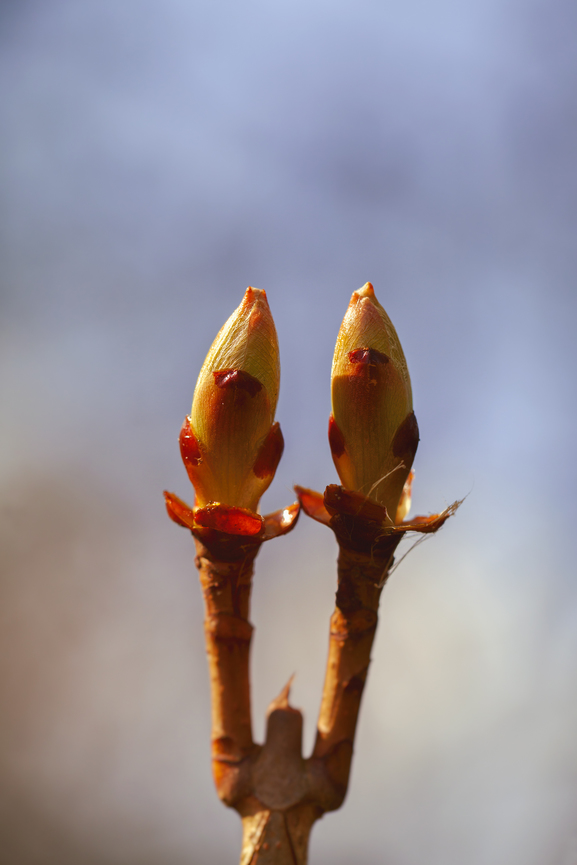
(158, 157)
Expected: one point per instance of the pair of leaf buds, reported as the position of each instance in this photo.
(231, 446)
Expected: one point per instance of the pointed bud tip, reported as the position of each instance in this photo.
(254, 296)
(366, 291)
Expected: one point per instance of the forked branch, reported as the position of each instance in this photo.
(231, 447)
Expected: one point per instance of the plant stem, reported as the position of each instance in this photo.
(352, 631)
(278, 794)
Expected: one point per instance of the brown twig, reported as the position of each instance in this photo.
(278, 794)
(226, 590)
(353, 628)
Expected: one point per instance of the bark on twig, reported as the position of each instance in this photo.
(278, 794)
(353, 628)
(226, 590)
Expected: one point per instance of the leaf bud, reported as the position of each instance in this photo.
(373, 431)
(230, 444)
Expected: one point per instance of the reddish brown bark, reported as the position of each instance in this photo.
(353, 627)
(226, 591)
(278, 794)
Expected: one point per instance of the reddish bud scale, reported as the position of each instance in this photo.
(336, 439)
(313, 504)
(189, 447)
(270, 453)
(339, 500)
(234, 521)
(178, 511)
(362, 525)
(367, 356)
(237, 378)
(406, 439)
(239, 522)
(281, 522)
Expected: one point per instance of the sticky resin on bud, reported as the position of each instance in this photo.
(230, 444)
(373, 431)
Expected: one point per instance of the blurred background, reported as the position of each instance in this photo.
(158, 157)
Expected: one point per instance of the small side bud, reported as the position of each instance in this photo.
(373, 431)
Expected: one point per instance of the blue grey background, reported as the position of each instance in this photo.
(157, 158)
